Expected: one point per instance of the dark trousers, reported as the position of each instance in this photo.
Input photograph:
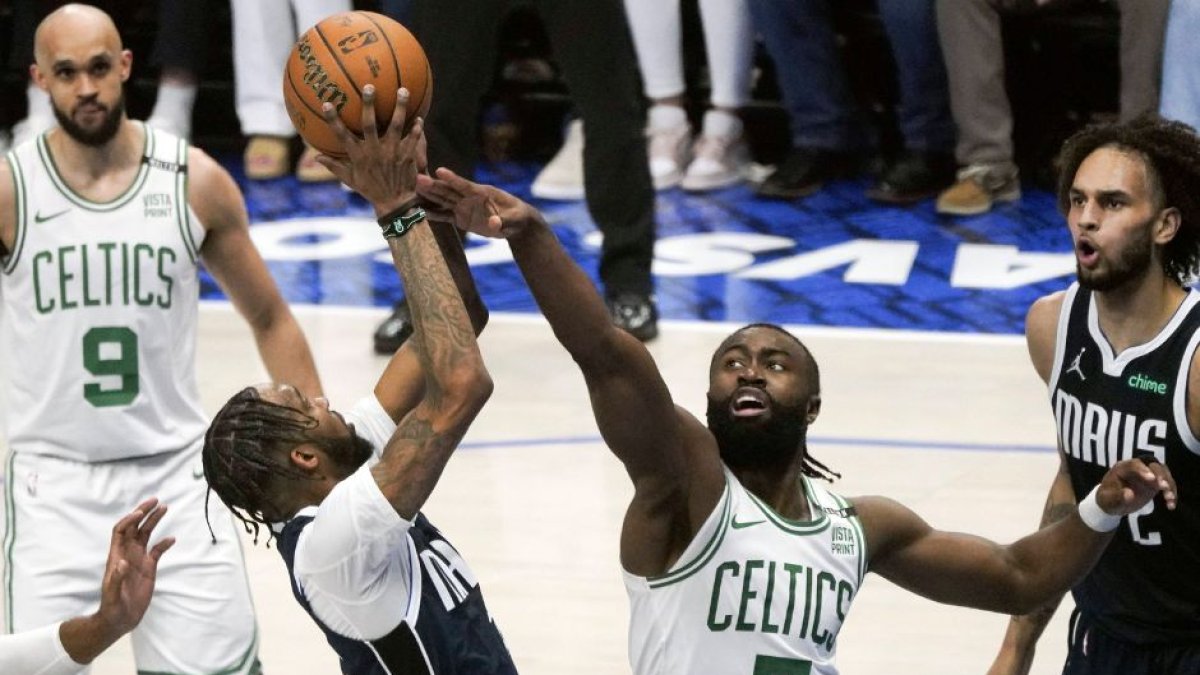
(180, 36)
(592, 46)
(800, 37)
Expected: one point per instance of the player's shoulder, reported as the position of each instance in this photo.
(1041, 321)
(212, 191)
(1046, 308)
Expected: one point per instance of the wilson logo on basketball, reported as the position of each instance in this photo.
(316, 77)
(352, 42)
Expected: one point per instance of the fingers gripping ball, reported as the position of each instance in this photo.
(335, 59)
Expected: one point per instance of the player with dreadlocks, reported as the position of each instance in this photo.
(343, 494)
(737, 559)
(1118, 350)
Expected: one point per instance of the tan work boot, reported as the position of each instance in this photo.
(308, 170)
(266, 157)
(977, 189)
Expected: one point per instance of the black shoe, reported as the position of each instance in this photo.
(394, 330)
(914, 176)
(634, 313)
(804, 171)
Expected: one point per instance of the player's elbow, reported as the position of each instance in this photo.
(466, 389)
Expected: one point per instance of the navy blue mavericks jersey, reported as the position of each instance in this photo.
(1109, 407)
(453, 635)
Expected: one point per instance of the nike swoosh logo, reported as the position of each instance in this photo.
(39, 218)
(752, 523)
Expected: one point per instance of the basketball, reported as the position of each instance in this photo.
(335, 59)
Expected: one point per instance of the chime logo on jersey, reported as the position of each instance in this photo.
(1092, 433)
(779, 598)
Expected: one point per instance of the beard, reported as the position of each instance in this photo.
(1131, 263)
(756, 443)
(349, 452)
(99, 135)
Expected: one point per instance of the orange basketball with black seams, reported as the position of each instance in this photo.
(335, 59)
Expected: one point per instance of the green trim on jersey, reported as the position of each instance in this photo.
(182, 214)
(818, 524)
(81, 201)
(710, 549)
(859, 534)
(10, 538)
(20, 227)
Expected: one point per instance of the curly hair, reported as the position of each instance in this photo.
(1171, 153)
(240, 449)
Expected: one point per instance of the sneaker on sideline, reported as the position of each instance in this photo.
(718, 162)
(979, 188)
(634, 313)
(669, 149)
(182, 129)
(266, 157)
(562, 177)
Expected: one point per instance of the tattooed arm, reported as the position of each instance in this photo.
(383, 169)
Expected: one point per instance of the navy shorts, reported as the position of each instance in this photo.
(1091, 651)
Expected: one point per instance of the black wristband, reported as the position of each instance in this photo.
(399, 210)
(399, 225)
(397, 222)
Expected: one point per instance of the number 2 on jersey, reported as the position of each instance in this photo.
(99, 345)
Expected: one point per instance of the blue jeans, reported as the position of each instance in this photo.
(800, 38)
(1181, 79)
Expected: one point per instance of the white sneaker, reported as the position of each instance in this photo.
(181, 129)
(669, 149)
(30, 128)
(562, 177)
(719, 161)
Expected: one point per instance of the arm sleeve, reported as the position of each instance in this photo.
(354, 561)
(372, 423)
(36, 652)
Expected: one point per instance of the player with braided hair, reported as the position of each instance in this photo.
(342, 494)
(1118, 351)
(736, 560)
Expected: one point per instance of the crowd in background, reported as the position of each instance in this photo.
(952, 109)
(624, 63)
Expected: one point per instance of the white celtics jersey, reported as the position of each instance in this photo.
(99, 311)
(753, 594)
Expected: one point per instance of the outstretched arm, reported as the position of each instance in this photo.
(669, 455)
(962, 569)
(384, 170)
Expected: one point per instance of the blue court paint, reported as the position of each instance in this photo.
(834, 259)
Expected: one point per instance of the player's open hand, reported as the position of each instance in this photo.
(383, 169)
(482, 209)
(132, 567)
(1132, 483)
